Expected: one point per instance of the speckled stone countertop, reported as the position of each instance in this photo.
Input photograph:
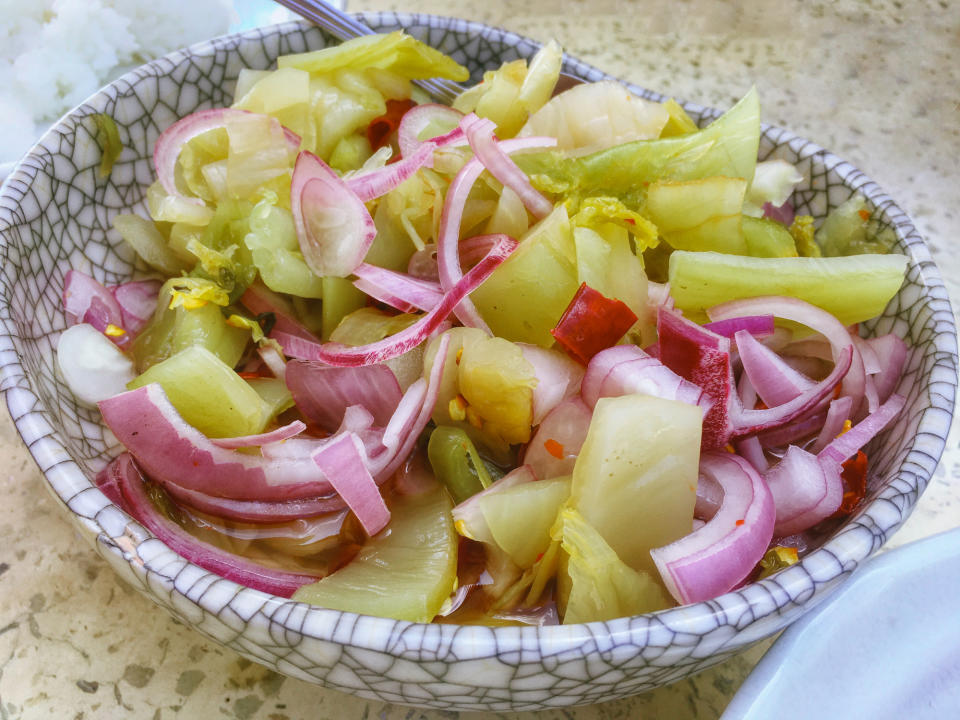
(877, 82)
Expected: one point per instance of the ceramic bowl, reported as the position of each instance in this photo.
(55, 214)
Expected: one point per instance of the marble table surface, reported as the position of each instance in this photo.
(876, 81)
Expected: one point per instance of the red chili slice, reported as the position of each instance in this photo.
(592, 322)
(381, 128)
(854, 476)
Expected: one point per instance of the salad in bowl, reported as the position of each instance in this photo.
(523, 402)
(450, 363)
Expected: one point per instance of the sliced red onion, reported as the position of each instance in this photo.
(279, 435)
(871, 362)
(400, 435)
(423, 264)
(274, 361)
(498, 163)
(709, 498)
(323, 393)
(892, 354)
(261, 301)
(87, 301)
(745, 421)
(474, 248)
(404, 292)
(171, 142)
(558, 378)
(373, 184)
(751, 450)
(410, 337)
(254, 510)
(703, 358)
(172, 451)
(774, 380)
(813, 317)
(805, 491)
(334, 227)
(419, 118)
(837, 414)
(343, 462)
(863, 432)
(757, 325)
(626, 369)
(448, 259)
(782, 214)
(553, 449)
(794, 431)
(816, 348)
(138, 301)
(123, 474)
(712, 560)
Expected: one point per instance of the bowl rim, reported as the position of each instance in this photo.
(790, 590)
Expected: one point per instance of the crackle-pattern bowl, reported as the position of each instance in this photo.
(55, 214)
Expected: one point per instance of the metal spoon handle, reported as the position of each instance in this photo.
(344, 26)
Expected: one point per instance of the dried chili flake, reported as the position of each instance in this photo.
(854, 475)
(554, 448)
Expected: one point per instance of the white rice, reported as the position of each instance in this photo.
(55, 53)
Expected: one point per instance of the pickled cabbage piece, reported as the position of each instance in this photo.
(511, 93)
(595, 116)
(497, 382)
(350, 153)
(340, 298)
(107, 136)
(396, 52)
(170, 208)
(767, 238)
(274, 395)
(849, 230)
(600, 211)
(452, 408)
(727, 147)
(516, 301)
(600, 586)
(773, 182)
(343, 104)
(149, 244)
(222, 256)
(509, 217)
(283, 94)
(201, 166)
(678, 122)
(701, 214)
(520, 517)
(405, 572)
(174, 329)
(635, 479)
(854, 288)
(207, 393)
(259, 155)
(407, 218)
(368, 325)
(606, 263)
(275, 252)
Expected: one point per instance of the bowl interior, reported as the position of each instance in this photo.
(55, 215)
